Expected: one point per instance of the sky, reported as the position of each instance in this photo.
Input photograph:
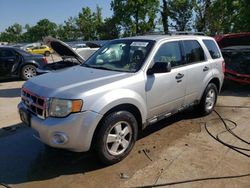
(31, 11)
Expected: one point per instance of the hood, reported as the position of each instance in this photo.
(62, 48)
(233, 39)
(82, 79)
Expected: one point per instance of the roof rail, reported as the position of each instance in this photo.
(154, 33)
(185, 33)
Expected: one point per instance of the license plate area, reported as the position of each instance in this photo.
(24, 116)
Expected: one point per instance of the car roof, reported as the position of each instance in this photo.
(7, 47)
(163, 37)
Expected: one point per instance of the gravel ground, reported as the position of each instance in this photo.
(176, 149)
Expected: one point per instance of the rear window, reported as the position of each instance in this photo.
(193, 51)
(212, 48)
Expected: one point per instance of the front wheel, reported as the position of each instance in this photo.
(116, 137)
(208, 99)
(28, 71)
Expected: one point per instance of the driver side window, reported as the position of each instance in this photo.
(169, 52)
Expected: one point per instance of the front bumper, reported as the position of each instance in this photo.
(78, 128)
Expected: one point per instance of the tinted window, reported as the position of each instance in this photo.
(194, 52)
(6, 53)
(212, 48)
(169, 52)
(22, 52)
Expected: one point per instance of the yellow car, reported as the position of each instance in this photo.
(45, 50)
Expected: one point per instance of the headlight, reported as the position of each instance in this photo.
(63, 107)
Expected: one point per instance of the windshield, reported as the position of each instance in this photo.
(121, 55)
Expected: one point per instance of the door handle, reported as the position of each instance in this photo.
(179, 76)
(205, 68)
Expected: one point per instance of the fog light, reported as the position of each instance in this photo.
(60, 138)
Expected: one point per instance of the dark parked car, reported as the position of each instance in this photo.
(235, 49)
(16, 62)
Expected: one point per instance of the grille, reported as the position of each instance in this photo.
(34, 103)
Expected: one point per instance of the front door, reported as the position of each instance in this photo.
(7, 60)
(166, 91)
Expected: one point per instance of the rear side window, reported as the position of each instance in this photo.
(212, 48)
(6, 53)
(193, 51)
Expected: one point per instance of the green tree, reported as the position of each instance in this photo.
(42, 29)
(164, 15)
(222, 16)
(241, 20)
(181, 14)
(202, 16)
(12, 34)
(69, 30)
(109, 29)
(88, 23)
(135, 17)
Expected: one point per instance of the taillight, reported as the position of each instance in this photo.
(45, 60)
(223, 66)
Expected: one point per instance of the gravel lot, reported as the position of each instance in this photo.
(176, 149)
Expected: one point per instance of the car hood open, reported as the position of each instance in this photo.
(233, 39)
(62, 49)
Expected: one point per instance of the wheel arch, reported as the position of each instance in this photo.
(27, 63)
(216, 81)
(24, 64)
(121, 107)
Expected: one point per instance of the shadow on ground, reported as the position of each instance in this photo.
(25, 159)
(190, 113)
(233, 89)
(8, 79)
(10, 93)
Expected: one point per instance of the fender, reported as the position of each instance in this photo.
(118, 97)
(31, 62)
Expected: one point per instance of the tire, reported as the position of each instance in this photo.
(28, 71)
(47, 53)
(208, 99)
(116, 137)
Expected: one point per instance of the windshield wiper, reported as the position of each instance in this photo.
(86, 65)
(98, 67)
(102, 68)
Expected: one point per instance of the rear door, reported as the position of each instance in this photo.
(165, 91)
(198, 70)
(7, 60)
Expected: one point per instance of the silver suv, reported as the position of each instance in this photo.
(125, 86)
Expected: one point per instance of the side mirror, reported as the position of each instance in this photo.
(160, 67)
